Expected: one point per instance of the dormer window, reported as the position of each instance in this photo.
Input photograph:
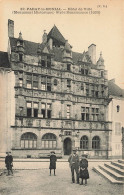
(118, 108)
(84, 71)
(20, 43)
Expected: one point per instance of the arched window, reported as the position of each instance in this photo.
(28, 140)
(49, 140)
(84, 142)
(96, 142)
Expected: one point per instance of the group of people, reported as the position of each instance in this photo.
(80, 167)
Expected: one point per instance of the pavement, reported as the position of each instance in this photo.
(30, 163)
(32, 178)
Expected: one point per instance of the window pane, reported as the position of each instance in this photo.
(29, 112)
(35, 105)
(83, 116)
(48, 80)
(29, 77)
(35, 85)
(43, 63)
(43, 87)
(43, 144)
(35, 112)
(50, 144)
(83, 109)
(29, 84)
(43, 106)
(48, 106)
(43, 113)
(30, 144)
(48, 113)
(43, 79)
(54, 144)
(35, 144)
(26, 143)
(46, 144)
(22, 143)
(29, 104)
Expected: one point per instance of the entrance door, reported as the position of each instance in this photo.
(67, 146)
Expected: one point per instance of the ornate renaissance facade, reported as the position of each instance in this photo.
(60, 98)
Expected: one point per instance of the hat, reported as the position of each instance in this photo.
(53, 152)
(74, 149)
(8, 152)
(84, 155)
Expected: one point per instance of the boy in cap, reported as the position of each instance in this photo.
(84, 174)
(9, 162)
(53, 160)
(74, 165)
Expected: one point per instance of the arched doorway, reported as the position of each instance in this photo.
(67, 146)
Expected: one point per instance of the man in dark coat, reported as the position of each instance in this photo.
(9, 162)
(84, 174)
(53, 160)
(74, 165)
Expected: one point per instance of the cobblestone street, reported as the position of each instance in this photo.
(37, 181)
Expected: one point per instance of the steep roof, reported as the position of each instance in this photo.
(30, 47)
(4, 61)
(55, 34)
(115, 90)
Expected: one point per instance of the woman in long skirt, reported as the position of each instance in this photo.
(84, 174)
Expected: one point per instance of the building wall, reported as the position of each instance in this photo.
(116, 112)
(7, 108)
(123, 143)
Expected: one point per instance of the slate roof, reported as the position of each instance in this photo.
(31, 48)
(55, 34)
(115, 90)
(4, 61)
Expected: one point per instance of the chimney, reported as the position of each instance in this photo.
(92, 52)
(10, 28)
(44, 38)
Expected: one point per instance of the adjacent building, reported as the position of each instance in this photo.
(59, 98)
(7, 92)
(116, 115)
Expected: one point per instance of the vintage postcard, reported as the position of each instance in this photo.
(61, 97)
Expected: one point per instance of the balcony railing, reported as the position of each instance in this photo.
(61, 124)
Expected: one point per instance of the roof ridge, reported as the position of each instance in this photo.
(25, 40)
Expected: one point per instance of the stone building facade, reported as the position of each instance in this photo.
(60, 98)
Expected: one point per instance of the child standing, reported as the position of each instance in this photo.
(9, 162)
(84, 174)
(53, 160)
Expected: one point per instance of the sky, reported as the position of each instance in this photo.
(106, 29)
